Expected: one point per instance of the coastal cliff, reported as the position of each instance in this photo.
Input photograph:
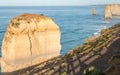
(115, 9)
(112, 10)
(29, 39)
(97, 56)
(108, 14)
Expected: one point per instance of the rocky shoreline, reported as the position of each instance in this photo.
(95, 53)
(31, 46)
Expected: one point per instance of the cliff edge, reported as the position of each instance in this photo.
(97, 56)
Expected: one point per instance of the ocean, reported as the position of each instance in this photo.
(76, 22)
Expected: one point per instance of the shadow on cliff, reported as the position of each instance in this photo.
(71, 65)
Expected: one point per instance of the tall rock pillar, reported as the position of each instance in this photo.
(107, 14)
(30, 39)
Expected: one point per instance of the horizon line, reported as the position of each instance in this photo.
(55, 5)
(48, 5)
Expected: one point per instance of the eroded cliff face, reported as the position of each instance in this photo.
(93, 11)
(112, 10)
(95, 53)
(115, 9)
(108, 14)
(29, 40)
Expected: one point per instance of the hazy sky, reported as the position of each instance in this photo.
(54, 2)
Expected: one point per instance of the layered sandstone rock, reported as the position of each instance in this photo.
(115, 9)
(93, 11)
(112, 10)
(29, 39)
(108, 14)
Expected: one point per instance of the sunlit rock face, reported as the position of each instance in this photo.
(29, 40)
(115, 9)
(93, 11)
(108, 14)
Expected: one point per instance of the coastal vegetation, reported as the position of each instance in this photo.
(95, 57)
(31, 44)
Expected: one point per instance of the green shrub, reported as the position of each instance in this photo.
(96, 72)
(92, 71)
(99, 55)
(116, 54)
(64, 73)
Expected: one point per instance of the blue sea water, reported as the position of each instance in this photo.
(76, 22)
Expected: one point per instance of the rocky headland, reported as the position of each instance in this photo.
(115, 9)
(29, 39)
(108, 14)
(99, 55)
(112, 10)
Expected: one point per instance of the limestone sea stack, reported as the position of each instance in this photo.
(108, 14)
(93, 11)
(115, 9)
(30, 39)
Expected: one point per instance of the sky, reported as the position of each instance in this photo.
(55, 2)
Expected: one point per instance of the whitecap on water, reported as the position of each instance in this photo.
(107, 21)
(96, 33)
(104, 26)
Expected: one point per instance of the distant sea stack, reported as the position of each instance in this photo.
(115, 9)
(112, 10)
(108, 14)
(30, 39)
(93, 11)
